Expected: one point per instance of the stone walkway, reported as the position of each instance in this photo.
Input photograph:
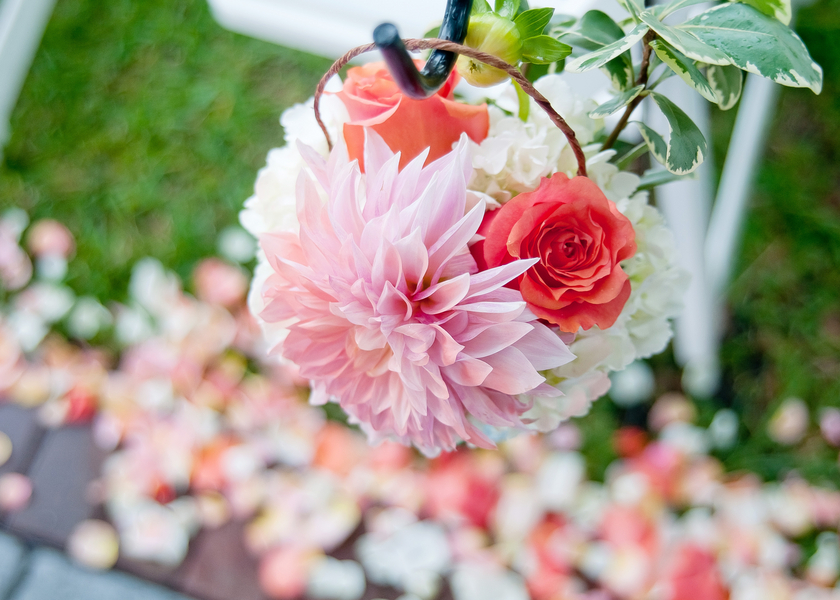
(45, 574)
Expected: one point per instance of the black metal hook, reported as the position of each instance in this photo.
(422, 84)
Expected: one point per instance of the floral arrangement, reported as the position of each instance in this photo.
(452, 271)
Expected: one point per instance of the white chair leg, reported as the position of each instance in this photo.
(22, 23)
(686, 206)
(730, 209)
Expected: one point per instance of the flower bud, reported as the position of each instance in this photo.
(495, 35)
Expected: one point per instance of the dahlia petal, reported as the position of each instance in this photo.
(386, 266)
(481, 406)
(492, 279)
(414, 258)
(499, 312)
(394, 302)
(449, 414)
(453, 240)
(544, 349)
(512, 372)
(477, 438)
(377, 153)
(316, 164)
(370, 339)
(494, 339)
(405, 187)
(275, 311)
(446, 349)
(468, 371)
(444, 296)
(460, 263)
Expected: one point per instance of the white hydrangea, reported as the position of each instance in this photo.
(516, 153)
(272, 207)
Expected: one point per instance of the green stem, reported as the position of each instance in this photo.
(524, 101)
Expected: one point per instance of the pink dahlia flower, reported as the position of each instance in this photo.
(388, 314)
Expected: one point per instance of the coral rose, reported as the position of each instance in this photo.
(580, 238)
(408, 126)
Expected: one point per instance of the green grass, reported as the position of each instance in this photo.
(784, 331)
(141, 127)
(143, 123)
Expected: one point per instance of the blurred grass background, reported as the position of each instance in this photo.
(142, 125)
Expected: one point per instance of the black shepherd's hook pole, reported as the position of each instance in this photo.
(422, 84)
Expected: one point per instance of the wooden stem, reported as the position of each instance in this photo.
(642, 80)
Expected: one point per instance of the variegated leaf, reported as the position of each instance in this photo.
(602, 56)
(685, 42)
(686, 145)
(616, 103)
(779, 9)
(684, 67)
(727, 82)
(757, 44)
(655, 143)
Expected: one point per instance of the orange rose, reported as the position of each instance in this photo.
(579, 237)
(409, 126)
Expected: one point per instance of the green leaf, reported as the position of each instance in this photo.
(605, 54)
(616, 103)
(654, 142)
(532, 22)
(560, 22)
(594, 30)
(757, 44)
(779, 9)
(480, 7)
(624, 161)
(432, 33)
(684, 67)
(727, 82)
(663, 10)
(685, 42)
(507, 8)
(655, 177)
(544, 49)
(686, 146)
